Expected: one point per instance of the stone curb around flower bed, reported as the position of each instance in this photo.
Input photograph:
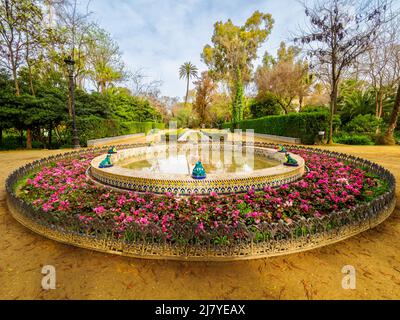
(371, 214)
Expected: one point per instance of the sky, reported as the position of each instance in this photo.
(157, 36)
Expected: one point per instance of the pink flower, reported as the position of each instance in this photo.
(99, 210)
(305, 207)
(317, 214)
(64, 205)
(200, 226)
(235, 213)
(121, 200)
(129, 219)
(47, 207)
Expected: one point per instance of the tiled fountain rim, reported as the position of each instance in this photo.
(119, 171)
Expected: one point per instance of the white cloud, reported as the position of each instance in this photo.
(159, 35)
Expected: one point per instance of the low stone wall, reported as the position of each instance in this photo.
(278, 138)
(110, 140)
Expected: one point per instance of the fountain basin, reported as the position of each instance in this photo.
(161, 169)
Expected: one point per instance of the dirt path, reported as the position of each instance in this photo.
(83, 274)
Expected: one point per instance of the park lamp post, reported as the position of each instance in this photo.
(70, 66)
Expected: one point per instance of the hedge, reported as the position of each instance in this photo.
(131, 127)
(93, 127)
(296, 125)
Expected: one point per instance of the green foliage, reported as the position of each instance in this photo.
(266, 106)
(235, 47)
(131, 127)
(355, 103)
(297, 125)
(237, 108)
(94, 127)
(125, 107)
(367, 123)
(354, 139)
(314, 109)
(87, 104)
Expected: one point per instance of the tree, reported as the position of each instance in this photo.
(104, 58)
(233, 52)
(339, 32)
(265, 105)
(381, 66)
(187, 71)
(205, 88)
(284, 77)
(143, 87)
(73, 36)
(18, 23)
(389, 135)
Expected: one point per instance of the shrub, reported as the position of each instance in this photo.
(310, 108)
(297, 125)
(132, 127)
(93, 127)
(354, 139)
(366, 123)
(265, 106)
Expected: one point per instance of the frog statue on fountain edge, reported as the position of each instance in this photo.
(198, 171)
(106, 163)
(112, 150)
(290, 161)
(281, 149)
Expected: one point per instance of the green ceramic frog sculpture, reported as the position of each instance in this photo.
(290, 161)
(198, 171)
(112, 150)
(106, 163)
(281, 149)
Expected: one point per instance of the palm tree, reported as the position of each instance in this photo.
(187, 71)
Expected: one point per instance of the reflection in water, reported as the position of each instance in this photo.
(213, 161)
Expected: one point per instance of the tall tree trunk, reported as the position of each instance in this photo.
(15, 76)
(187, 91)
(379, 111)
(283, 106)
(21, 137)
(50, 135)
(1, 136)
(29, 138)
(380, 106)
(32, 88)
(333, 110)
(389, 137)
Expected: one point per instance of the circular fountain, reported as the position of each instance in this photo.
(168, 168)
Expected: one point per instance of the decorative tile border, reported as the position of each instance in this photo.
(183, 184)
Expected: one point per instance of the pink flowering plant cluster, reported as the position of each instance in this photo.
(64, 195)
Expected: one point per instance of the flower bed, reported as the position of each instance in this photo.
(61, 195)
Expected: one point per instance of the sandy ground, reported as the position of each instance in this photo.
(83, 274)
